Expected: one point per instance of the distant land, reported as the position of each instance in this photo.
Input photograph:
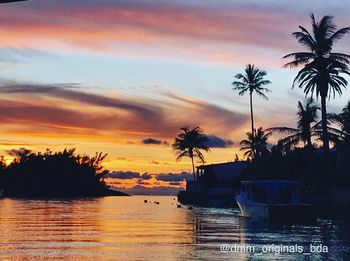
(142, 190)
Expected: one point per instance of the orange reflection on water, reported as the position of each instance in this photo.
(110, 228)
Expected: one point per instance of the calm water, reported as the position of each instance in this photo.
(125, 228)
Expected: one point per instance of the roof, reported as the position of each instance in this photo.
(272, 181)
(233, 164)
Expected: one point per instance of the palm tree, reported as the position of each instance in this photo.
(255, 146)
(189, 143)
(321, 66)
(341, 138)
(252, 81)
(343, 121)
(307, 115)
(310, 77)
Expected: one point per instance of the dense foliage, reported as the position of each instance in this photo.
(59, 174)
(322, 69)
(304, 160)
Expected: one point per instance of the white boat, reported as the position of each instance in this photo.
(272, 199)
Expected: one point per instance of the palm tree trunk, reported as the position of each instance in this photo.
(309, 143)
(325, 135)
(194, 174)
(252, 120)
(251, 112)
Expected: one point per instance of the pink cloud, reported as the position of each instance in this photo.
(160, 30)
(56, 109)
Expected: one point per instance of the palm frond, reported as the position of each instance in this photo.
(190, 142)
(284, 130)
(252, 81)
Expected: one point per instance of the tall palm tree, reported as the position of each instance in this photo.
(321, 66)
(307, 115)
(310, 77)
(189, 143)
(255, 146)
(252, 81)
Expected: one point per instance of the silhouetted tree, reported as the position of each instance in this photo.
(255, 146)
(322, 67)
(307, 115)
(341, 138)
(343, 121)
(189, 143)
(59, 174)
(252, 81)
(2, 163)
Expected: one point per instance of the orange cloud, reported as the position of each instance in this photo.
(56, 109)
(59, 116)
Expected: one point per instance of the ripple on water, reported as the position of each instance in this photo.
(125, 228)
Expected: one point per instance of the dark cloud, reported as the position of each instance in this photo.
(173, 179)
(123, 175)
(142, 182)
(155, 190)
(199, 112)
(56, 117)
(129, 175)
(217, 142)
(29, 109)
(174, 176)
(41, 106)
(146, 176)
(152, 141)
(65, 91)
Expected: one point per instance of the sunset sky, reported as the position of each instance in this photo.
(122, 77)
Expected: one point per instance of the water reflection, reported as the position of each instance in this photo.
(280, 241)
(115, 228)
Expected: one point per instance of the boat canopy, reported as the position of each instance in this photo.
(271, 191)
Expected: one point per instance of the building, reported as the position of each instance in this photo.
(221, 172)
(213, 184)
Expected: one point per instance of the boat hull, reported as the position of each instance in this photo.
(254, 210)
(276, 212)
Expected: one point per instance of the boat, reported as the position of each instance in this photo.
(272, 199)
